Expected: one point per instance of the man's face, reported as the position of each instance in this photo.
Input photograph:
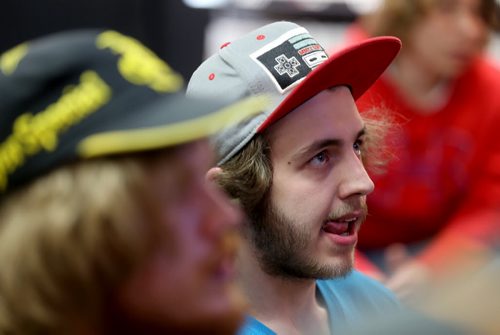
(317, 200)
(186, 285)
(447, 39)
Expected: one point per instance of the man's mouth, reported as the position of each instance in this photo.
(342, 230)
(224, 270)
(223, 262)
(343, 226)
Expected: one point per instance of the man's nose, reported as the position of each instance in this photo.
(354, 178)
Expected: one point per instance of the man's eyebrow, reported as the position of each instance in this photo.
(316, 146)
(323, 143)
(362, 132)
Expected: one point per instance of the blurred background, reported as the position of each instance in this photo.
(183, 32)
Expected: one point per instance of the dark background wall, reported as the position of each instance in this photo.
(171, 29)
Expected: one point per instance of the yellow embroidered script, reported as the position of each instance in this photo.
(33, 133)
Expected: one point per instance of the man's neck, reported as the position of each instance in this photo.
(418, 84)
(285, 305)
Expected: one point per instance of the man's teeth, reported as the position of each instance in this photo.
(350, 220)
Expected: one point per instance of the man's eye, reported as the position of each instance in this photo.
(320, 158)
(358, 147)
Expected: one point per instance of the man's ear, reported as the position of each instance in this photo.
(212, 174)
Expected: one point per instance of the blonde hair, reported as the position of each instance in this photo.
(397, 17)
(66, 240)
(383, 128)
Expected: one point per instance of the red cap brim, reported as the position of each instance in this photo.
(357, 66)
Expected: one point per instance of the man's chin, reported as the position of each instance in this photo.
(338, 266)
(343, 267)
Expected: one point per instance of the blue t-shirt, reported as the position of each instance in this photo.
(348, 301)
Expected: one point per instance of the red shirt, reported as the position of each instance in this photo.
(445, 180)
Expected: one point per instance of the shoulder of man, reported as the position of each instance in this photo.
(253, 326)
(358, 294)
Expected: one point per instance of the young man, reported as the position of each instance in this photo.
(107, 225)
(297, 172)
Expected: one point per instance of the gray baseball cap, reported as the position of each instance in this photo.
(284, 61)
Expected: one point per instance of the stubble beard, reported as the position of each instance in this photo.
(281, 248)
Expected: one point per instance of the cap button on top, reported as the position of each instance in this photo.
(211, 76)
(224, 45)
(261, 37)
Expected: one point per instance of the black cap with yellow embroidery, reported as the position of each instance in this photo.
(82, 94)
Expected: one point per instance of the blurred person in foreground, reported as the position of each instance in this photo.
(297, 170)
(107, 224)
(437, 207)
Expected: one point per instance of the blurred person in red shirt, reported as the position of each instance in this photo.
(438, 204)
